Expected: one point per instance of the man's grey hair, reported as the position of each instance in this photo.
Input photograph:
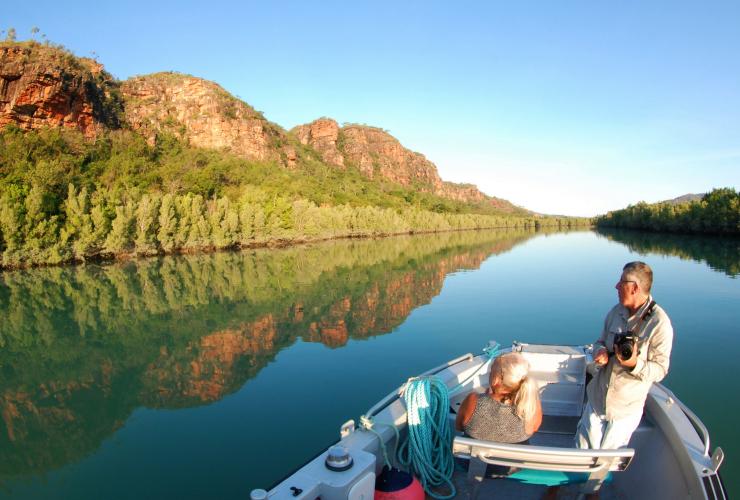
(639, 272)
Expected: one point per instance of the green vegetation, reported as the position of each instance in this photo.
(65, 199)
(721, 254)
(68, 198)
(718, 212)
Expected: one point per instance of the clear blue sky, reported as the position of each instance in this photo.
(568, 107)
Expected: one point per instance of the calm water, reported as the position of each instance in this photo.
(208, 376)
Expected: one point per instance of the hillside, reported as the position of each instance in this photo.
(46, 86)
(91, 167)
(204, 115)
(686, 198)
(377, 154)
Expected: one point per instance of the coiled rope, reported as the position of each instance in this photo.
(427, 450)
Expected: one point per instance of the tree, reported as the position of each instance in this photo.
(224, 223)
(12, 215)
(78, 230)
(167, 223)
(147, 215)
(121, 235)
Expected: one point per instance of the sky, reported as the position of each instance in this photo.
(562, 107)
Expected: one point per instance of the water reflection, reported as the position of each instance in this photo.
(82, 348)
(720, 253)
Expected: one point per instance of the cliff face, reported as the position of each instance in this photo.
(323, 136)
(373, 151)
(44, 86)
(203, 114)
(379, 155)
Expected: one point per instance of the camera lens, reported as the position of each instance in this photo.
(625, 350)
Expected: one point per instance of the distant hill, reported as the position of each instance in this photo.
(684, 199)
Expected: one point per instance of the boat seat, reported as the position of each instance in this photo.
(544, 465)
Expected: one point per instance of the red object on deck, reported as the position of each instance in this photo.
(396, 484)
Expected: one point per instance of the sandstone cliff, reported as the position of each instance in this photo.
(379, 155)
(203, 114)
(45, 86)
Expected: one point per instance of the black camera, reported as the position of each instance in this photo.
(625, 344)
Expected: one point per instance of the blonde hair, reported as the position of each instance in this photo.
(512, 372)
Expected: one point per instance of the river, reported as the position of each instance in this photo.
(210, 375)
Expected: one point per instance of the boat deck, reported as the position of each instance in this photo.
(667, 457)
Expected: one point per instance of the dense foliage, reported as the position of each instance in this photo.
(721, 254)
(718, 212)
(63, 198)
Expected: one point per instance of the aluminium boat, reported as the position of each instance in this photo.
(668, 455)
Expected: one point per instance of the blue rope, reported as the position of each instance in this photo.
(368, 424)
(427, 450)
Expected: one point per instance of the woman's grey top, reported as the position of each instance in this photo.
(495, 421)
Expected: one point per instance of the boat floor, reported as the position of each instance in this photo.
(555, 431)
(501, 488)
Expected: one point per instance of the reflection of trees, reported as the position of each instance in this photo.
(82, 347)
(720, 253)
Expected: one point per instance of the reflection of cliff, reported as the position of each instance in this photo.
(211, 367)
(220, 362)
(57, 423)
(720, 253)
(83, 347)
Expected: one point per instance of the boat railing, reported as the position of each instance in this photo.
(591, 467)
(695, 421)
(544, 457)
(390, 398)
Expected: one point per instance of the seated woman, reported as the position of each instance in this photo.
(509, 411)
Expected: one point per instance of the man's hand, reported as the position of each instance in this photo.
(628, 363)
(601, 357)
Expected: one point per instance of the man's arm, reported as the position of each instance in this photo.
(600, 353)
(654, 366)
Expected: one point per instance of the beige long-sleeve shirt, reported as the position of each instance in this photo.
(617, 392)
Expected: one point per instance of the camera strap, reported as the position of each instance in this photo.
(644, 316)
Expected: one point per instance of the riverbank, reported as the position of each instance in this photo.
(103, 226)
(555, 225)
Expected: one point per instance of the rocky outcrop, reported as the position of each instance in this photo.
(323, 136)
(203, 114)
(43, 86)
(375, 152)
(379, 155)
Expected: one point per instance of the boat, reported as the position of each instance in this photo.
(668, 455)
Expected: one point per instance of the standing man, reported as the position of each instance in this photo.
(617, 393)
